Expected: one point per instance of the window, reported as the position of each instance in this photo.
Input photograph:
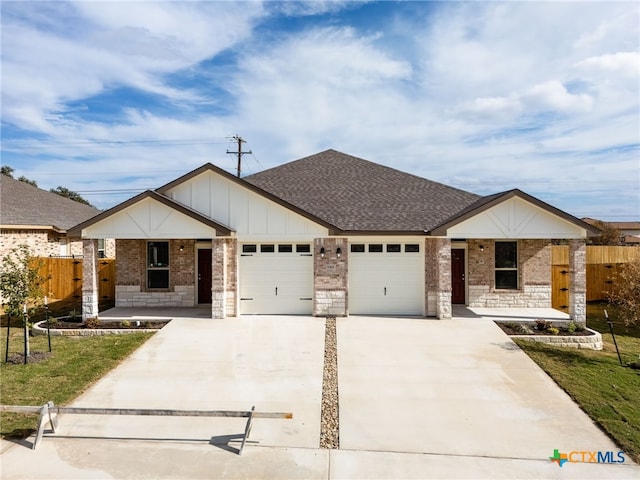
(357, 247)
(394, 248)
(285, 248)
(267, 248)
(375, 248)
(101, 250)
(158, 265)
(249, 248)
(303, 248)
(412, 248)
(506, 265)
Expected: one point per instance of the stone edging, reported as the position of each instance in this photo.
(593, 342)
(39, 329)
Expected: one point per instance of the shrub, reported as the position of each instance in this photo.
(553, 330)
(542, 324)
(627, 293)
(524, 329)
(93, 322)
(125, 323)
(571, 327)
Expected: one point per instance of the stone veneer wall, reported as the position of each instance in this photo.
(231, 291)
(578, 281)
(438, 277)
(131, 276)
(330, 277)
(90, 290)
(534, 260)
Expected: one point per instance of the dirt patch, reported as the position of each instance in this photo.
(34, 357)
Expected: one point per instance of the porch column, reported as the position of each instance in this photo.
(438, 277)
(578, 280)
(90, 291)
(218, 278)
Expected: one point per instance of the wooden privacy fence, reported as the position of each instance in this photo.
(64, 277)
(604, 264)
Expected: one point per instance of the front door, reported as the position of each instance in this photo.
(458, 287)
(204, 275)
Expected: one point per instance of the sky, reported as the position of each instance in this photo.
(111, 98)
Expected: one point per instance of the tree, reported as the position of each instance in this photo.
(20, 286)
(627, 292)
(65, 192)
(609, 235)
(24, 179)
(6, 170)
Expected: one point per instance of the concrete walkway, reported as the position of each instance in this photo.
(418, 399)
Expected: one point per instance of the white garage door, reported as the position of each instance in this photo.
(386, 279)
(276, 278)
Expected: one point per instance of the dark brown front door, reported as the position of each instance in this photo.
(458, 290)
(204, 275)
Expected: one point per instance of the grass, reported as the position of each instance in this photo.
(605, 390)
(74, 365)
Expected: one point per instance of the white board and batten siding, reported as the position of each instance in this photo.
(515, 218)
(249, 214)
(386, 276)
(151, 219)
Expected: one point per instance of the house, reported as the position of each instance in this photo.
(40, 219)
(332, 234)
(629, 231)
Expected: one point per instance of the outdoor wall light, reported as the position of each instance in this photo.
(338, 252)
(322, 252)
(181, 248)
(482, 248)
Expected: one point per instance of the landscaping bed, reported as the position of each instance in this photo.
(69, 326)
(567, 335)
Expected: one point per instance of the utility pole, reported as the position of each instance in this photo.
(239, 153)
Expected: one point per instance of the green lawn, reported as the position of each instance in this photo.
(75, 364)
(607, 392)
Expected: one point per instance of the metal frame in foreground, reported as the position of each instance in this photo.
(47, 410)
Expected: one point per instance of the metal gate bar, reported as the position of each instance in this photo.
(47, 410)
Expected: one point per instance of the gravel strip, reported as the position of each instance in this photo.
(330, 421)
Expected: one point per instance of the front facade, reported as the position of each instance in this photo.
(331, 235)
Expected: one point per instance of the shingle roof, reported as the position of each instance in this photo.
(24, 204)
(357, 195)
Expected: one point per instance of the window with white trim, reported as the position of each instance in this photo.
(506, 265)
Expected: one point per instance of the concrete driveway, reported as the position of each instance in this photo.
(418, 399)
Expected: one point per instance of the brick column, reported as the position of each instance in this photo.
(443, 277)
(437, 262)
(90, 290)
(231, 259)
(218, 278)
(330, 277)
(578, 281)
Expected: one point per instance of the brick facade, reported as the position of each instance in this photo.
(131, 275)
(46, 243)
(90, 290)
(330, 278)
(534, 275)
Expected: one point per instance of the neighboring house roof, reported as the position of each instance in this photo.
(356, 195)
(220, 229)
(23, 205)
(616, 225)
(489, 201)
